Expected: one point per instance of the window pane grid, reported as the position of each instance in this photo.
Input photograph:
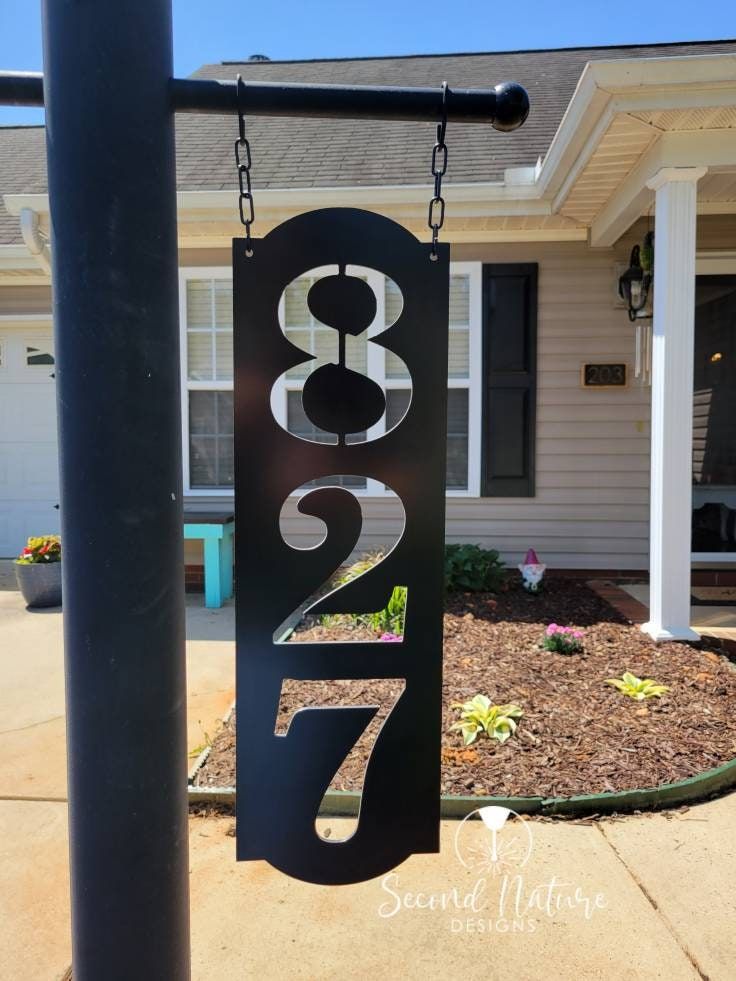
(209, 337)
(314, 337)
(211, 439)
(209, 306)
(459, 317)
(397, 402)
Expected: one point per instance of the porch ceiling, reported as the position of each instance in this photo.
(626, 142)
(718, 188)
(618, 152)
(667, 112)
(688, 120)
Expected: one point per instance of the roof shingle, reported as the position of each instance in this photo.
(333, 152)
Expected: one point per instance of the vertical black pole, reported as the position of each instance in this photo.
(110, 145)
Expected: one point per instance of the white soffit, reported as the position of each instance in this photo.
(629, 118)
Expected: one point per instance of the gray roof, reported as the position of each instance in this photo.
(327, 153)
(22, 170)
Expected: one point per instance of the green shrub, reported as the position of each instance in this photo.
(472, 569)
(468, 569)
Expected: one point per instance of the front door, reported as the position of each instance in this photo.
(29, 477)
(714, 419)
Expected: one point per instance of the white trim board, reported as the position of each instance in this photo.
(715, 264)
(25, 318)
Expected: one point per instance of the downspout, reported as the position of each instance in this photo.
(36, 243)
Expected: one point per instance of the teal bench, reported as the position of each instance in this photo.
(216, 530)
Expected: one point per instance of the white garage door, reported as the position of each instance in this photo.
(29, 481)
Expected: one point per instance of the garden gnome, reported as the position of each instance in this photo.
(532, 572)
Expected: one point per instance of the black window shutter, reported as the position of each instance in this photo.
(509, 379)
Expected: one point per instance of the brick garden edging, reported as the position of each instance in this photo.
(637, 613)
(620, 600)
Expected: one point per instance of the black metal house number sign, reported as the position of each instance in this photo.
(282, 775)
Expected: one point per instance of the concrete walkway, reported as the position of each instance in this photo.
(34, 887)
(666, 908)
(638, 898)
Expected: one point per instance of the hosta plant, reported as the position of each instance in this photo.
(563, 640)
(637, 688)
(479, 715)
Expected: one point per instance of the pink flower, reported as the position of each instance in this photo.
(391, 638)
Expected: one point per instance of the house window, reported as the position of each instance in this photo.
(208, 357)
(316, 338)
(211, 439)
(297, 422)
(209, 330)
(310, 335)
(207, 374)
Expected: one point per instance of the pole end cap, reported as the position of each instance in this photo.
(512, 106)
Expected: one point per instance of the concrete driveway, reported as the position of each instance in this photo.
(666, 881)
(34, 904)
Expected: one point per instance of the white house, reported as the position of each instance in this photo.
(555, 441)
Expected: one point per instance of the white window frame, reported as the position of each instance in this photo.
(185, 274)
(375, 369)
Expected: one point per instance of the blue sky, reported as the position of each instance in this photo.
(225, 30)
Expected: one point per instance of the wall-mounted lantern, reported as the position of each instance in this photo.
(634, 285)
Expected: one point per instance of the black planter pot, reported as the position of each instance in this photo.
(39, 583)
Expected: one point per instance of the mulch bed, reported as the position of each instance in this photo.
(577, 735)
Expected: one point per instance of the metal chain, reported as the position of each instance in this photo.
(436, 216)
(243, 163)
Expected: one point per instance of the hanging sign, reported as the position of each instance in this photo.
(281, 778)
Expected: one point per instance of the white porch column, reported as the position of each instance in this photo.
(672, 404)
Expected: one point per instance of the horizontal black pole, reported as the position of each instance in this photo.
(505, 107)
(21, 89)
